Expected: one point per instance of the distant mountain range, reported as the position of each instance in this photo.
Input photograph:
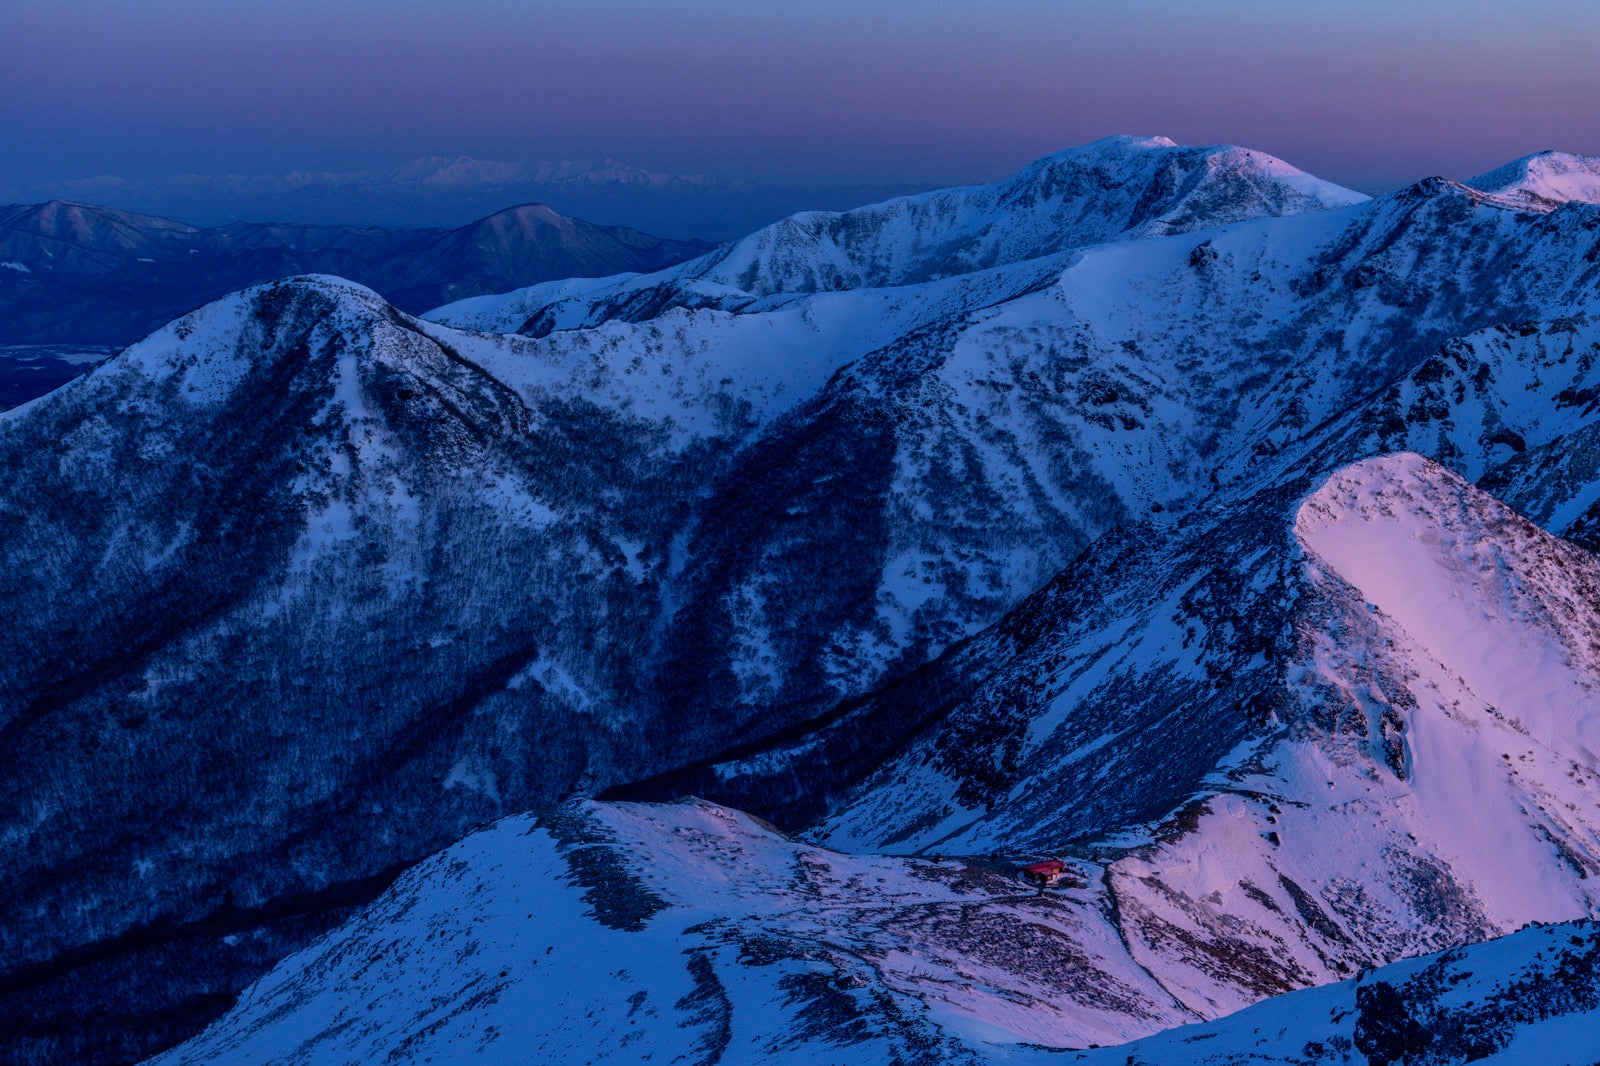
(448, 191)
(74, 273)
(1217, 531)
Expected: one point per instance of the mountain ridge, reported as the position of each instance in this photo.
(95, 275)
(1116, 187)
(436, 576)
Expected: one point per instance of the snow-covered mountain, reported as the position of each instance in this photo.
(1544, 181)
(1039, 404)
(1118, 188)
(1018, 542)
(1415, 651)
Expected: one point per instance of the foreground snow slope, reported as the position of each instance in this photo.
(1415, 771)
(688, 932)
(1527, 999)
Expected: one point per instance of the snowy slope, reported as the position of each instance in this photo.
(688, 932)
(1068, 394)
(1433, 780)
(361, 595)
(1143, 378)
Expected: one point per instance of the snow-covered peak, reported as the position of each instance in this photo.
(1544, 181)
(526, 214)
(1114, 189)
(65, 223)
(1193, 187)
(1107, 190)
(205, 355)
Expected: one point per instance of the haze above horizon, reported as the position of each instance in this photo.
(1363, 93)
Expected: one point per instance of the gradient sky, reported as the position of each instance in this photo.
(1361, 91)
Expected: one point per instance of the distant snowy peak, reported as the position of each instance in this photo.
(59, 233)
(528, 241)
(1111, 189)
(1114, 189)
(525, 223)
(1544, 181)
(1182, 188)
(84, 273)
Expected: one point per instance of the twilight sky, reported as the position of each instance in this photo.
(821, 91)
